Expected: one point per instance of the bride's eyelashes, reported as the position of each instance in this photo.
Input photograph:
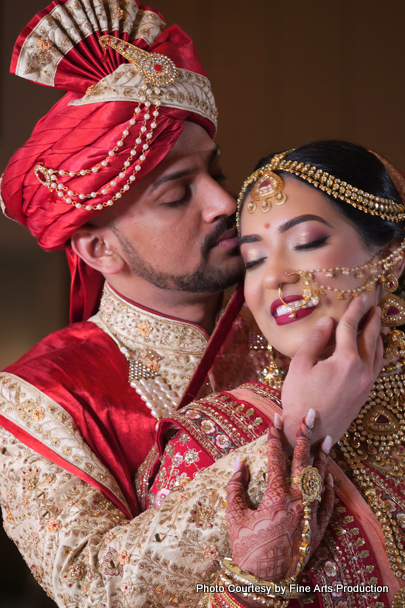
(319, 242)
(253, 263)
(315, 244)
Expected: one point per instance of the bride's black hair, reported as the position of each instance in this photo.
(359, 168)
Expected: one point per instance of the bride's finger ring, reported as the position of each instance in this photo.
(310, 483)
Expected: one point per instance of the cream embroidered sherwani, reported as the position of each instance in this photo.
(67, 505)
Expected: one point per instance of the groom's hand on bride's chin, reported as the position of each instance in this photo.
(338, 386)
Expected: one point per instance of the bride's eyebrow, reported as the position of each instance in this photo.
(300, 219)
(249, 238)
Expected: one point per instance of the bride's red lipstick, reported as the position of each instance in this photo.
(286, 318)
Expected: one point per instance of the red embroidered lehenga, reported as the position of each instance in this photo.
(351, 567)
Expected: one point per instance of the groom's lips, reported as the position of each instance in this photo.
(228, 239)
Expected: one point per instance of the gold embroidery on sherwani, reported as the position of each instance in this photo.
(77, 542)
(173, 348)
(143, 475)
(97, 558)
(93, 555)
(34, 412)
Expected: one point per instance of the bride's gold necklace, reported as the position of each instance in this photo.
(378, 436)
(378, 433)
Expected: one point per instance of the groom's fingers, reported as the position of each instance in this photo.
(315, 341)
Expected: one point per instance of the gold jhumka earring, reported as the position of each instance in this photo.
(273, 375)
(392, 315)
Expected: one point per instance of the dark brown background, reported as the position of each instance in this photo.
(283, 73)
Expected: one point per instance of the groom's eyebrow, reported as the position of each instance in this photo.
(300, 219)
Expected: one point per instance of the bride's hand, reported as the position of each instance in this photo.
(266, 541)
(336, 387)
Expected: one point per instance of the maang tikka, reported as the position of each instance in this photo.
(267, 190)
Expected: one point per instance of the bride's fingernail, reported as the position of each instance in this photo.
(310, 419)
(326, 444)
(236, 466)
(330, 480)
(278, 423)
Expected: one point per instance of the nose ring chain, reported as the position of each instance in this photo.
(373, 271)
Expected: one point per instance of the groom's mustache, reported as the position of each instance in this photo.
(211, 240)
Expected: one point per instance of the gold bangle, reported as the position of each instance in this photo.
(224, 600)
(205, 601)
(270, 598)
(310, 483)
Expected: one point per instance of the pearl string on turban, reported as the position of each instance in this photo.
(60, 48)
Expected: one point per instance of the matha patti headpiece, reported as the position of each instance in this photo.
(372, 271)
(387, 209)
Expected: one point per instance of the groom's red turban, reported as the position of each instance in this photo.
(62, 177)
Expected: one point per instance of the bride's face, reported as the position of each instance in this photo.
(304, 233)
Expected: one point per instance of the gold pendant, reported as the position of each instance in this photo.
(392, 310)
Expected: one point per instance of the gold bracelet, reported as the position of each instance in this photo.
(226, 578)
(310, 483)
(219, 601)
(272, 601)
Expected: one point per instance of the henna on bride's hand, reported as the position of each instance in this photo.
(266, 541)
(262, 540)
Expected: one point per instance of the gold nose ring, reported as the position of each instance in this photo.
(307, 295)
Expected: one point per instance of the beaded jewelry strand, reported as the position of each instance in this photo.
(50, 177)
(157, 71)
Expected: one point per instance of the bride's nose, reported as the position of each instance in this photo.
(276, 274)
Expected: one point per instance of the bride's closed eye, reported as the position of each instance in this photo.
(253, 263)
(319, 242)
